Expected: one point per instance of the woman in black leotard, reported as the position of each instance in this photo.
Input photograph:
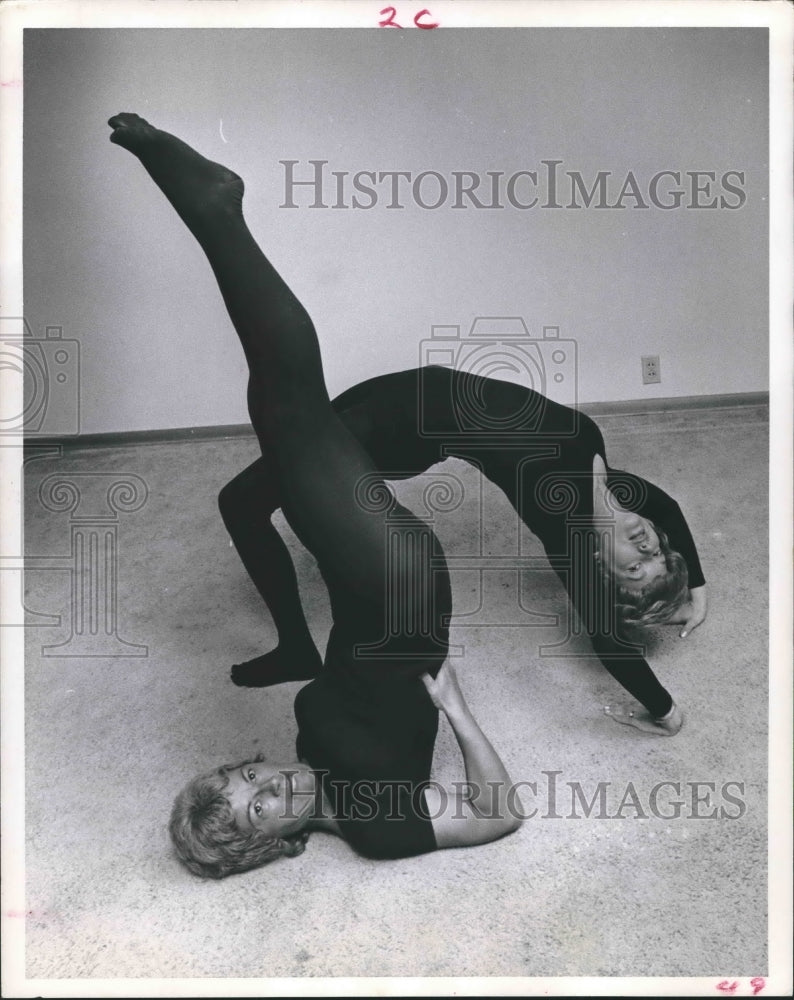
(367, 725)
(408, 421)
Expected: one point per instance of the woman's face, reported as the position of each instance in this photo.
(636, 558)
(273, 798)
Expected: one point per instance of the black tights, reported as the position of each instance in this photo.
(318, 464)
(246, 504)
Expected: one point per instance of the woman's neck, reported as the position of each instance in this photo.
(323, 817)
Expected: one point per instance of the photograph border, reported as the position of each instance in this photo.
(778, 16)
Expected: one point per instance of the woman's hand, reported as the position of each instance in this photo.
(695, 611)
(644, 721)
(691, 614)
(444, 690)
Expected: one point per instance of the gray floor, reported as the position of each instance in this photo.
(110, 739)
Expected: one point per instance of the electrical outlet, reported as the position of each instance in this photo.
(651, 370)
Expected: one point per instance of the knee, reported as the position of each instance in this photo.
(234, 500)
(227, 501)
(249, 496)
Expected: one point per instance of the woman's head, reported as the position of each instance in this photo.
(649, 578)
(240, 817)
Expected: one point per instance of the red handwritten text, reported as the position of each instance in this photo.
(757, 983)
(391, 14)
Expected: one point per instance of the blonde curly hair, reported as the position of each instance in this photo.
(659, 601)
(208, 841)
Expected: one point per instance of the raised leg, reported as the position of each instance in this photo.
(320, 464)
(330, 491)
(246, 504)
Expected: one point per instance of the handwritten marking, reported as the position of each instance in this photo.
(10, 83)
(757, 983)
(424, 13)
(389, 22)
(391, 13)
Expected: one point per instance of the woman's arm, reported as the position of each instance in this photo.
(485, 808)
(621, 656)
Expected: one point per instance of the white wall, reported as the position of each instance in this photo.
(107, 259)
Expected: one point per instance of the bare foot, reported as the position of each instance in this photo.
(200, 190)
(644, 721)
(279, 666)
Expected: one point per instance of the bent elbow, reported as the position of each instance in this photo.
(513, 823)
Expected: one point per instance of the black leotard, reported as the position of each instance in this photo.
(366, 723)
(541, 455)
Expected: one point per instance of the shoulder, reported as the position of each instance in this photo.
(385, 819)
